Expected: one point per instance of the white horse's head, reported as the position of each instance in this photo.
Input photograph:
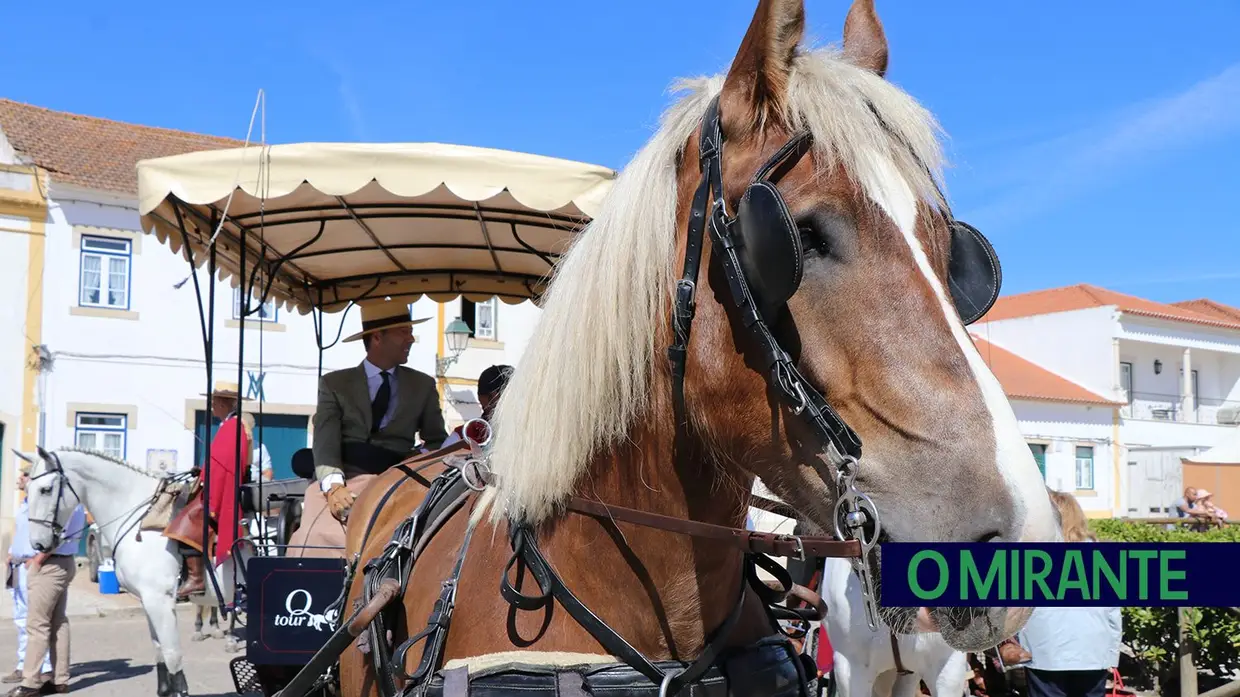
(50, 499)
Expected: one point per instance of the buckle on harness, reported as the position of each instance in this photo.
(800, 548)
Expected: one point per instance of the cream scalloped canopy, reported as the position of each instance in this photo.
(334, 223)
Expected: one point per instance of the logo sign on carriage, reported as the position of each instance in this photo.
(290, 600)
(1101, 574)
(298, 613)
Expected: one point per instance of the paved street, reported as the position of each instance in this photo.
(113, 657)
(111, 647)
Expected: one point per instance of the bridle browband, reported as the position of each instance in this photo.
(856, 516)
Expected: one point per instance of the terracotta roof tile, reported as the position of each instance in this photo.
(1209, 307)
(1082, 296)
(1022, 379)
(91, 152)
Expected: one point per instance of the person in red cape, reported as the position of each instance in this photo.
(223, 503)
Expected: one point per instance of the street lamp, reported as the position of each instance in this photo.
(456, 335)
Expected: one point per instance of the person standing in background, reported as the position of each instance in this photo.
(47, 618)
(21, 552)
(260, 460)
(1072, 649)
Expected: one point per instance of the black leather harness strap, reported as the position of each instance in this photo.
(684, 305)
(525, 548)
(435, 634)
(446, 494)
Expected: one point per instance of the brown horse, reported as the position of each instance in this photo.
(595, 409)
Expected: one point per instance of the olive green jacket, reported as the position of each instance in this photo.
(343, 414)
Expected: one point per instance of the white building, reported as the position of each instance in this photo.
(115, 316)
(1172, 369)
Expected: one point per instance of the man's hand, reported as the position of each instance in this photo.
(35, 562)
(339, 501)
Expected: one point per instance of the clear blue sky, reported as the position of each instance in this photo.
(1092, 141)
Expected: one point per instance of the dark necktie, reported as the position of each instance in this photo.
(379, 407)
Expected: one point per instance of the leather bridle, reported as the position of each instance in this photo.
(54, 468)
(855, 516)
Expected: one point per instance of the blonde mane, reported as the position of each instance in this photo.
(586, 374)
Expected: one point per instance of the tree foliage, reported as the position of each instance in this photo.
(1153, 632)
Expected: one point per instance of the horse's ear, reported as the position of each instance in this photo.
(756, 89)
(865, 44)
(43, 453)
(25, 456)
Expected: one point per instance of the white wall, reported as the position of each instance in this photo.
(1076, 344)
(14, 346)
(1063, 427)
(14, 250)
(1179, 334)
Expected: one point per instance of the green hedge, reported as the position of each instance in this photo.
(1152, 632)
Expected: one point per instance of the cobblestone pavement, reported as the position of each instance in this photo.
(113, 657)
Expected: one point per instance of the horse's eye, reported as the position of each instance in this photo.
(811, 241)
(45, 490)
(827, 232)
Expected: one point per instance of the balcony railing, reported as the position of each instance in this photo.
(1152, 406)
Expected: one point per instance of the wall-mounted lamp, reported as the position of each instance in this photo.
(1157, 366)
(457, 336)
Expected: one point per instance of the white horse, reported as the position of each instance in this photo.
(117, 494)
(864, 662)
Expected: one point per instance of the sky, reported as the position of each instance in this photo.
(1092, 142)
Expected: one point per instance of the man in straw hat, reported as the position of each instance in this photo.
(186, 526)
(367, 420)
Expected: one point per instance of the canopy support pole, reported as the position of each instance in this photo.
(207, 325)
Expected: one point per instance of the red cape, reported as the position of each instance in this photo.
(223, 504)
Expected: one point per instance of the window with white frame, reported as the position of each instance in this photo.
(484, 327)
(1084, 467)
(104, 433)
(266, 313)
(105, 267)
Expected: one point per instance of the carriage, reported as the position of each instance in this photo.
(320, 228)
(755, 281)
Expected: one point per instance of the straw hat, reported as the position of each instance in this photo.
(224, 388)
(1203, 494)
(384, 315)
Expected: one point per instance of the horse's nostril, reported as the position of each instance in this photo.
(993, 536)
